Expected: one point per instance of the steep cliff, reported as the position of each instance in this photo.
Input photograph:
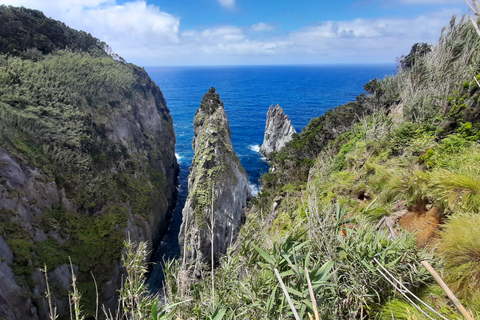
(278, 131)
(86, 159)
(217, 182)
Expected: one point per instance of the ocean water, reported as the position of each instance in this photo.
(304, 92)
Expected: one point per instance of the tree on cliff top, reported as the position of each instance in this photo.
(418, 50)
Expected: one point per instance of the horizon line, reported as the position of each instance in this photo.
(274, 65)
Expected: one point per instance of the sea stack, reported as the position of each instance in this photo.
(217, 187)
(278, 131)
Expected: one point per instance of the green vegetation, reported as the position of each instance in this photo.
(460, 251)
(93, 244)
(29, 34)
(403, 158)
(134, 302)
(47, 121)
(63, 100)
(339, 265)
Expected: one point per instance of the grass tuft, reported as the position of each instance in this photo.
(460, 251)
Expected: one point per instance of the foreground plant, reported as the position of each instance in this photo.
(460, 251)
(294, 269)
(135, 301)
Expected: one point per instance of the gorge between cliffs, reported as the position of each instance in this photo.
(87, 160)
(142, 192)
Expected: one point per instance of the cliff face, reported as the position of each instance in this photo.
(217, 182)
(86, 159)
(278, 131)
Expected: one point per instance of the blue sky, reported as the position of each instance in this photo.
(249, 32)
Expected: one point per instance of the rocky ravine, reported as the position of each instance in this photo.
(217, 181)
(278, 131)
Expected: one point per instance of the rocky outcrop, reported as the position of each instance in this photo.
(217, 183)
(278, 131)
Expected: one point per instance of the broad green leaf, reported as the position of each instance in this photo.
(264, 254)
(308, 303)
(296, 292)
(302, 311)
(287, 273)
(154, 310)
(271, 300)
(219, 314)
(324, 271)
(269, 274)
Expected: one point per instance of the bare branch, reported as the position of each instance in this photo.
(447, 290)
(285, 292)
(312, 296)
(477, 5)
(471, 8)
(403, 290)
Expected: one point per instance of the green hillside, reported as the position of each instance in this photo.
(389, 180)
(87, 149)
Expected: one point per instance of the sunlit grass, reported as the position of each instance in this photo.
(460, 251)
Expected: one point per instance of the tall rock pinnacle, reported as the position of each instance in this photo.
(278, 131)
(217, 187)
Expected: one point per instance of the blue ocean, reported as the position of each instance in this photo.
(304, 92)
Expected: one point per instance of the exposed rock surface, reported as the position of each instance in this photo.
(217, 181)
(12, 304)
(278, 131)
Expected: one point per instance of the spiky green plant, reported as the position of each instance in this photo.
(399, 309)
(457, 190)
(136, 303)
(460, 251)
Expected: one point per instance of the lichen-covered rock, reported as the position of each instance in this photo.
(278, 131)
(217, 182)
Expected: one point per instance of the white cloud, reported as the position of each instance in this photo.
(353, 41)
(227, 3)
(222, 34)
(146, 35)
(130, 25)
(261, 26)
(367, 40)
